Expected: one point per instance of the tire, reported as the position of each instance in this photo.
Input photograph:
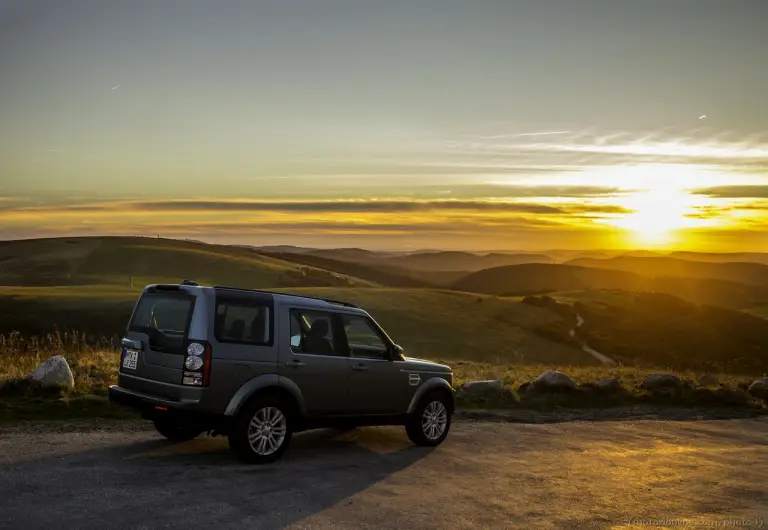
(262, 412)
(424, 430)
(176, 431)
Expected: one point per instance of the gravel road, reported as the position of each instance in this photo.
(602, 474)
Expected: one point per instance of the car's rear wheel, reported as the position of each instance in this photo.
(262, 431)
(176, 431)
(430, 422)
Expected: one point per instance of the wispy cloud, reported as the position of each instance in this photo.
(735, 192)
(350, 206)
(521, 135)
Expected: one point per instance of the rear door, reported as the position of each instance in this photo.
(313, 357)
(160, 326)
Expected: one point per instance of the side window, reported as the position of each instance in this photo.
(363, 338)
(312, 332)
(243, 321)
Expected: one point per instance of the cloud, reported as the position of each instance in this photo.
(348, 206)
(735, 192)
(528, 191)
(597, 208)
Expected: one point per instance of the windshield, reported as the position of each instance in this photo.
(164, 317)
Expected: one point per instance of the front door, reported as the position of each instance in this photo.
(313, 357)
(377, 385)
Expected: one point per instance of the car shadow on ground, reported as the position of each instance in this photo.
(144, 483)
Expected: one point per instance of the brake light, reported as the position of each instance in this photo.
(197, 364)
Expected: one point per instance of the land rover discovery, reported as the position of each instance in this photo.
(257, 366)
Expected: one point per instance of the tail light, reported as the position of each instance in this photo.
(197, 364)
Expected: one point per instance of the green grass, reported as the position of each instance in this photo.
(599, 296)
(120, 261)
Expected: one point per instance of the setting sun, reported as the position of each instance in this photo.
(659, 202)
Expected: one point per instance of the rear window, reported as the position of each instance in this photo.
(165, 318)
(243, 321)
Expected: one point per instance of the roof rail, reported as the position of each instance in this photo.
(335, 302)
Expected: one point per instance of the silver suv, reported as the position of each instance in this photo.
(258, 366)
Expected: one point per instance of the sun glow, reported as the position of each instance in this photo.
(661, 205)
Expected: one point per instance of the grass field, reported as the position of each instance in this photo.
(95, 368)
(599, 296)
(126, 261)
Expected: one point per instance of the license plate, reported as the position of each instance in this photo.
(130, 359)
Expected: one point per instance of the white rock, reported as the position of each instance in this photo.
(759, 388)
(54, 372)
(660, 381)
(553, 380)
(483, 386)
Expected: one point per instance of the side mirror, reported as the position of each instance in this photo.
(397, 352)
(295, 341)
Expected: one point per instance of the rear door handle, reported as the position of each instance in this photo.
(295, 364)
(360, 367)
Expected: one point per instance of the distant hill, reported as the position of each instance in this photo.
(727, 257)
(747, 273)
(455, 262)
(640, 254)
(462, 261)
(380, 274)
(533, 278)
(133, 260)
(550, 278)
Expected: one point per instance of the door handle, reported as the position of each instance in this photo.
(295, 364)
(360, 367)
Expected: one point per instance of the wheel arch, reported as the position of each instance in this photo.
(434, 383)
(268, 384)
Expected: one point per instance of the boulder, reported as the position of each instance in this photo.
(609, 384)
(54, 372)
(553, 380)
(709, 380)
(522, 389)
(759, 388)
(660, 382)
(478, 387)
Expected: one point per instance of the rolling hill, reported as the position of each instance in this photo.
(131, 260)
(746, 273)
(455, 262)
(533, 278)
(519, 280)
(381, 274)
(727, 257)
(462, 261)
(661, 330)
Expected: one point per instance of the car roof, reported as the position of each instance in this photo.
(279, 297)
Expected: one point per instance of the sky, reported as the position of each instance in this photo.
(517, 124)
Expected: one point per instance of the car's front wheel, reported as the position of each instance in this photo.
(430, 422)
(262, 431)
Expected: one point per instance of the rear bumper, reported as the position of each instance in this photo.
(141, 401)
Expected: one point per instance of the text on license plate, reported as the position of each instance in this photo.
(130, 359)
